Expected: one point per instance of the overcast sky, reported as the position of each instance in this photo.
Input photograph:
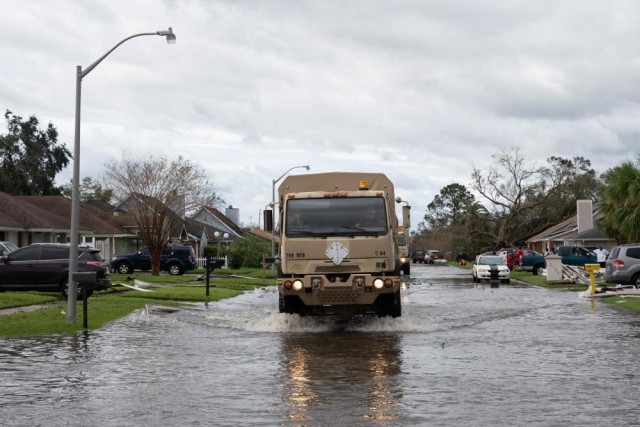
(422, 90)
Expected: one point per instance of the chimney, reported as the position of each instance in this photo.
(584, 215)
(233, 214)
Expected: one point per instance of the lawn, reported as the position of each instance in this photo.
(119, 301)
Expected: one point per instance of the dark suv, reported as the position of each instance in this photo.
(175, 259)
(623, 265)
(45, 267)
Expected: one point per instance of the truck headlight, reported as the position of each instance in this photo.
(297, 285)
(378, 283)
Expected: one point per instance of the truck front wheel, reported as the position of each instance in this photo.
(389, 305)
(406, 269)
(291, 305)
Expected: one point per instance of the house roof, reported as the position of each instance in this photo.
(568, 230)
(263, 235)
(197, 228)
(91, 218)
(53, 213)
(15, 212)
(222, 218)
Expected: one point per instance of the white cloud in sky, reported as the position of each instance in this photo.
(421, 90)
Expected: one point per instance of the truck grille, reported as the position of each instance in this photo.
(346, 296)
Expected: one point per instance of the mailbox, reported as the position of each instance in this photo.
(591, 267)
(85, 277)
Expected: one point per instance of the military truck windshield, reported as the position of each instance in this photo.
(349, 216)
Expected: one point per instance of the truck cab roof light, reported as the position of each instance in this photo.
(364, 185)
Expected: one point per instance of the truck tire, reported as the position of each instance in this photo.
(396, 310)
(291, 305)
(389, 305)
(406, 269)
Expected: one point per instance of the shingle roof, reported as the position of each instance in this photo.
(91, 218)
(568, 229)
(222, 217)
(18, 213)
(264, 235)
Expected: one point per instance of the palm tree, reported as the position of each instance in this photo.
(620, 201)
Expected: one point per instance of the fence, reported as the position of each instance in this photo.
(203, 261)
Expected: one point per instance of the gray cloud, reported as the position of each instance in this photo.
(420, 90)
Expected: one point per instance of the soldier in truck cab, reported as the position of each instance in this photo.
(295, 220)
(370, 218)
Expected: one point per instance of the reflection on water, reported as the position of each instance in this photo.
(354, 373)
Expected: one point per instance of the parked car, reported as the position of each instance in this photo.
(623, 265)
(175, 259)
(45, 267)
(417, 256)
(490, 267)
(432, 256)
(7, 247)
(571, 255)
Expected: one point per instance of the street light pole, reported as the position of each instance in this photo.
(75, 183)
(273, 207)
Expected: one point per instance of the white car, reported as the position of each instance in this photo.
(490, 267)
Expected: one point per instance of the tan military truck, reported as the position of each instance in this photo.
(339, 250)
(403, 251)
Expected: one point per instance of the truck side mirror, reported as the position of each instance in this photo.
(406, 216)
(267, 219)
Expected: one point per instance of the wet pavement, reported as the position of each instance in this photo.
(461, 354)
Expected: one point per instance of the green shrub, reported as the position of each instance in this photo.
(248, 252)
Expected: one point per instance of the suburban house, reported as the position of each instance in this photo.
(47, 219)
(24, 223)
(578, 230)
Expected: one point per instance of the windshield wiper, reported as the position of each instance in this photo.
(305, 233)
(362, 230)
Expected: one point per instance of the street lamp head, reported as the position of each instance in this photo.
(171, 38)
(307, 167)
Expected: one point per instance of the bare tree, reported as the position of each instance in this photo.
(159, 194)
(514, 188)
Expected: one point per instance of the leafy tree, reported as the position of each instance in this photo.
(576, 181)
(475, 234)
(90, 191)
(30, 158)
(449, 207)
(620, 201)
(159, 193)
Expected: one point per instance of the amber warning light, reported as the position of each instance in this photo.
(364, 185)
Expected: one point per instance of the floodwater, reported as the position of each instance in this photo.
(461, 354)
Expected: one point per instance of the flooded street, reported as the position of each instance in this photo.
(460, 355)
